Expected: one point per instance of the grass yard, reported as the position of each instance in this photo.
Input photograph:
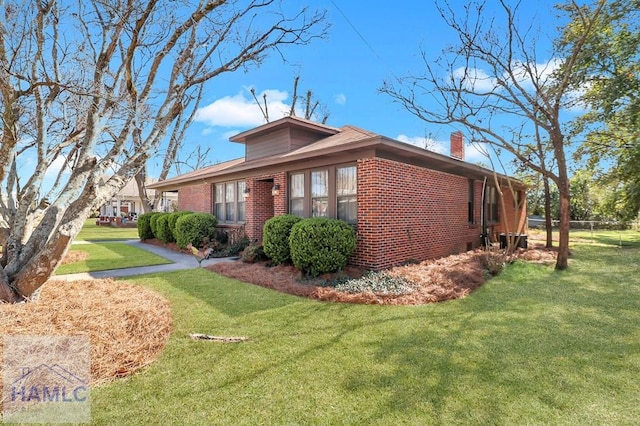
(92, 232)
(105, 256)
(532, 346)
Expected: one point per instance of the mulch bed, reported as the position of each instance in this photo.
(436, 280)
(74, 256)
(128, 326)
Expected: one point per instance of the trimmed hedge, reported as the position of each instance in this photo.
(275, 237)
(154, 222)
(194, 228)
(162, 231)
(173, 218)
(321, 245)
(144, 225)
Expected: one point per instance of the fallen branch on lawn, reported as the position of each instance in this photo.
(221, 339)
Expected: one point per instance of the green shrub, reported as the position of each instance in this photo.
(253, 253)
(161, 230)
(173, 218)
(144, 225)
(321, 245)
(154, 222)
(275, 237)
(194, 229)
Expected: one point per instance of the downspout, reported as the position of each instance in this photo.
(484, 238)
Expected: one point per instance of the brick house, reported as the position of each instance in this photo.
(406, 203)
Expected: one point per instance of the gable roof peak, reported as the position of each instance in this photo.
(288, 121)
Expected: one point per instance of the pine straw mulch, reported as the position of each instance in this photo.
(74, 256)
(128, 326)
(436, 280)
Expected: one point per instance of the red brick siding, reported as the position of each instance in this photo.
(457, 145)
(515, 220)
(404, 212)
(196, 198)
(261, 205)
(407, 212)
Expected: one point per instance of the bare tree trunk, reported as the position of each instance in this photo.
(547, 212)
(565, 223)
(7, 294)
(140, 179)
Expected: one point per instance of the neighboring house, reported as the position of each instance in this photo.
(406, 203)
(127, 202)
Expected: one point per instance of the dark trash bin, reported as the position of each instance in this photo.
(522, 241)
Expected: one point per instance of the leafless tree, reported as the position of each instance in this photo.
(494, 84)
(312, 106)
(88, 92)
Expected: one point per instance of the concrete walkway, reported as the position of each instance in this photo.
(180, 261)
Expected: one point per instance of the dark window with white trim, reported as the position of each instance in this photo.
(492, 205)
(347, 193)
(241, 185)
(296, 194)
(320, 193)
(228, 202)
(218, 203)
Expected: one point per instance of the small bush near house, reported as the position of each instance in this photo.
(320, 245)
(154, 222)
(275, 237)
(253, 253)
(194, 229)
(173, 218)
(162, 230)
(144, 225)
(492, 262)
(235, 241)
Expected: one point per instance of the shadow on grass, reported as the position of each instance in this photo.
(117, 255)
(226, 295)
(538, 346)
(531, 346)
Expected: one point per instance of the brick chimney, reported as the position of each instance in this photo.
(457, 145)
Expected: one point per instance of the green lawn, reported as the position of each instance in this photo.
(532, 346)
(92, 232)
(106, 256)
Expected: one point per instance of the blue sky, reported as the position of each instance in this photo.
(366, 45)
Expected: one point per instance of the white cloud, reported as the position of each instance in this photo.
(476, 152)
(424, 143)
(230, 133)
(474, 79)
(206, 131)
(241, 110)
(473, 153)
(55, 168)
(340, 99)
(542, 72)
(522, 72)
